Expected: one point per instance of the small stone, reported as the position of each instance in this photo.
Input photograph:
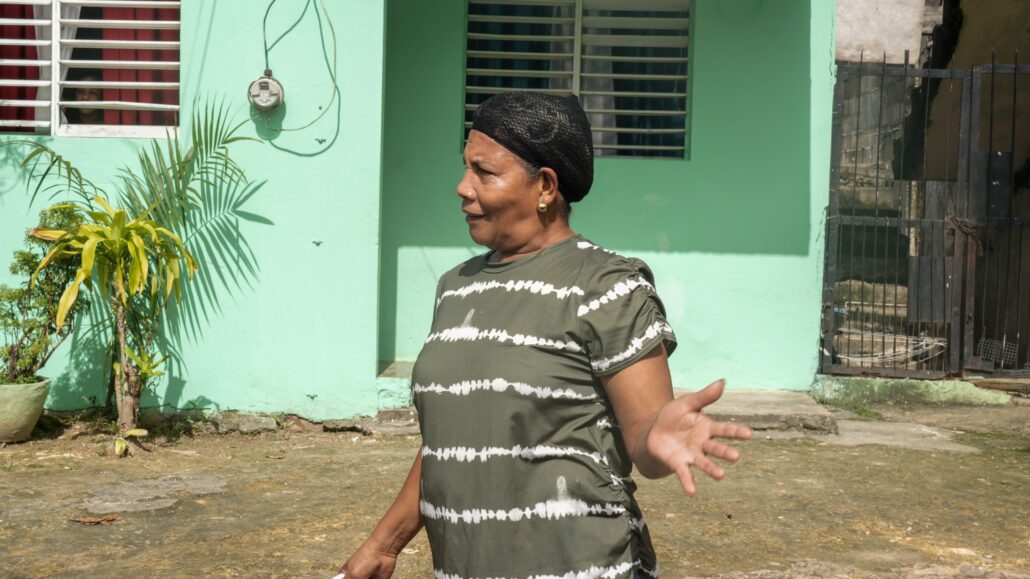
(243, 422)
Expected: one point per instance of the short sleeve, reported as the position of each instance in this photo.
(622, 317)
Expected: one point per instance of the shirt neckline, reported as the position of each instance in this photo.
(497, 267)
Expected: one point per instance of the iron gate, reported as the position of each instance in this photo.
(927, 264)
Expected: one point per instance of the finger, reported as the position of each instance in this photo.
(720, 450)
(710, 468)
(729, 430)
(707, 395)
(686, 479)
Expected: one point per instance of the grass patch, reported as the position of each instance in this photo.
(861, 411)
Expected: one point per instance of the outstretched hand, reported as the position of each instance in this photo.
(682, 437)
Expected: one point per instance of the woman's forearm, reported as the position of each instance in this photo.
(403, 520)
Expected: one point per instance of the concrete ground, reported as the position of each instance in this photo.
(905, 491)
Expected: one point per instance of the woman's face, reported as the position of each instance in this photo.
(498, 196)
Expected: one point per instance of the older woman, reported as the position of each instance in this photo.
(544, 378)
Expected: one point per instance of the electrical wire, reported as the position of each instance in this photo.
(332, 74)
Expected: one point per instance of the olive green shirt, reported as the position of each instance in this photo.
(524, 472)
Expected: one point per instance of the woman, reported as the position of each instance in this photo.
(544, 378)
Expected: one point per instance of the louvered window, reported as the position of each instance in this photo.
(626, 60)
(89, 67)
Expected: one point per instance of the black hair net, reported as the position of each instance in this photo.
(544, 130)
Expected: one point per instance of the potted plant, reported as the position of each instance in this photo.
(29, 334)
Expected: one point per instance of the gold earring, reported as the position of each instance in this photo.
(542, 207)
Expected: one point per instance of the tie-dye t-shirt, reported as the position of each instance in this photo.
(524, 473)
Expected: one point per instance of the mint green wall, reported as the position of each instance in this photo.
(301, 336)
(733, 234)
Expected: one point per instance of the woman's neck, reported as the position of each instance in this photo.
(537, 244)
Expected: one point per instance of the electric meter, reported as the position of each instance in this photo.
(266, 93)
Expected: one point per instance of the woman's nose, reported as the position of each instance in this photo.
(465, 190)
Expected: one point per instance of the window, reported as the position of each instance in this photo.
(626, 61)
(99, 68)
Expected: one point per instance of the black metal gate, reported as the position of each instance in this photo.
(927, 263)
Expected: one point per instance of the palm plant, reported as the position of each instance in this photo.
(127, 257)
(134, 251)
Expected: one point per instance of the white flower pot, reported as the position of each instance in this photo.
(20, 408)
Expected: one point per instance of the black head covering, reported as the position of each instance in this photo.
(544, 130)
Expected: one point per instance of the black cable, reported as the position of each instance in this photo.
(264, 36)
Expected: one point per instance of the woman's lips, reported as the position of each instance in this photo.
(470, 217)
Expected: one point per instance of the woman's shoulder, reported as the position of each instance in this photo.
(601, 262)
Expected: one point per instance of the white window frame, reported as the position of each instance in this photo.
(58, 66)
(574, 60)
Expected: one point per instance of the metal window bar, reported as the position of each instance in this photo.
(601, 51)
(57, 66)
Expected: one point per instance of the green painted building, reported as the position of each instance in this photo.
(354, 218)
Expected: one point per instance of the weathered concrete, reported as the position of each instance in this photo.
(772, 410)
(847, 390)
(881, 29)
(243, 422)
(907, 435)
(151, 494)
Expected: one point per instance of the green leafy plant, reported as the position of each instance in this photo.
(131, 248)
(125, 258)
(28, 314)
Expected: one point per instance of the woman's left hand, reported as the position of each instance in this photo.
(682, 437)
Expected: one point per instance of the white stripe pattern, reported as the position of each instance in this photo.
(620, 289)
(588, 245)
(467, 454)
(532, 286)
(636, 344)
(604, 424)
(473, 334)
(610, 572)
(560, 508)
(467, 387)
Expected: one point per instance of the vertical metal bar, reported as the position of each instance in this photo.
(577, 49)
(833, 228)
(921, 325)
(972, 245)
(904, 183)
(876, 213)
(854, 206)
(55, 66)
(993, 221)
(962, 192)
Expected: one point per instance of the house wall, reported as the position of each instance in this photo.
(734, 234)
(299, 334)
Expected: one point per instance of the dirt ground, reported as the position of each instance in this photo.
(295, 503)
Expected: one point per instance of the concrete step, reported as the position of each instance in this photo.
(772, 410)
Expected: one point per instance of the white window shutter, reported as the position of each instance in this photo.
(626, 61)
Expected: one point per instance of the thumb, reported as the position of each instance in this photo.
(708, 395)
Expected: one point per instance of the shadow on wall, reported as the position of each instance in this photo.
(270, 127)
(11, 164)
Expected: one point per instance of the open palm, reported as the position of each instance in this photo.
(682, 437)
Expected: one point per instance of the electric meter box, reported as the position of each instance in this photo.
(266, 93)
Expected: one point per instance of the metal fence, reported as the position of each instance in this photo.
(925, 251)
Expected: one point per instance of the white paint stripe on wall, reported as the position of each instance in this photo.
(560, 508)
(532, 286)
(529, 453)
(652, 331)
(472, 334)
(620, 289)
